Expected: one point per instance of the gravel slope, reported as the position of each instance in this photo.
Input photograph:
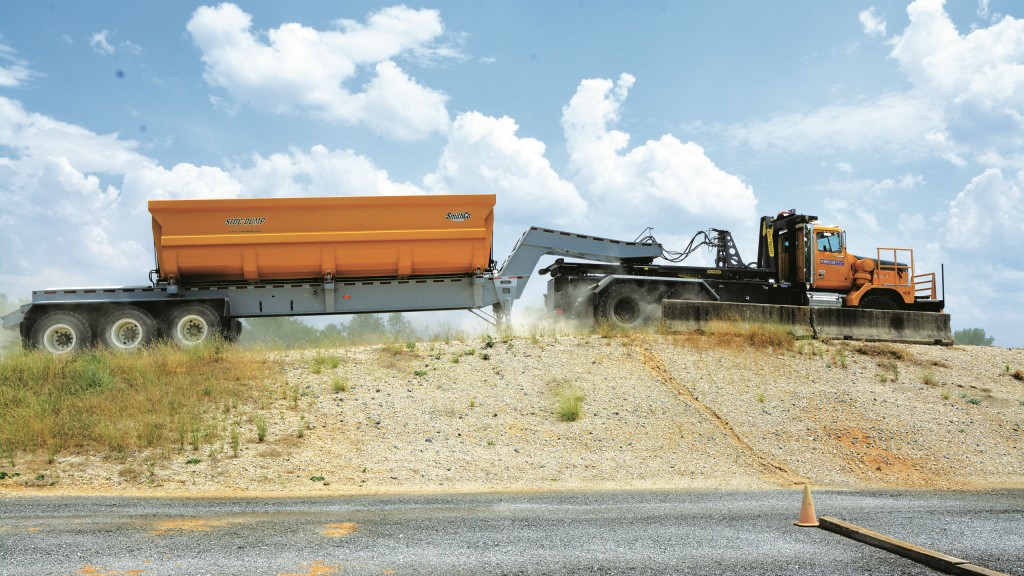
(659, 411)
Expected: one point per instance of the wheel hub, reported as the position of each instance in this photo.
(192, 329)
(127, 333)
(60, 339)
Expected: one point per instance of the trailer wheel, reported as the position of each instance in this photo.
(128, 328)
(193, 324)
(61, 332)
(878, 302)
(625, 306)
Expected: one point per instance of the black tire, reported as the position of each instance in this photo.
(61, 332)
(625, 306)
(193, 324)
(878, 302)
(691, 292)
(128, 328)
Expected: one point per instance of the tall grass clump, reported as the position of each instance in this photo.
(102, 400)
(759, 335)
(568, 399)
(570, 406)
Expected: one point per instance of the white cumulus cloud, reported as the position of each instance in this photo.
(873, 24)
(99, 43)
(659, 181)
(294, 68)
(907, 125)
(484, 154)
(74, 203)
(966, 93)
(13, 70)
(988, 215)
(319, 172)
(984, 67)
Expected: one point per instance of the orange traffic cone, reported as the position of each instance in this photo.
(807, 516)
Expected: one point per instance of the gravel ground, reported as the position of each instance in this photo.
(659, 412)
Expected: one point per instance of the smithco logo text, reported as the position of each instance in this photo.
(244, 221)
(458, 216)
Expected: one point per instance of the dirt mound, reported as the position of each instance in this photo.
(658, 412)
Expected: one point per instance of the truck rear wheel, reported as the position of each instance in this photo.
(128, 328)
(625, 306)
(193, 324)
(61, 332)
(691, 292)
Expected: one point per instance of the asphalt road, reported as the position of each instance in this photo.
(550, 533)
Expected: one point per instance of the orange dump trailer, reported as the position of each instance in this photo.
(256, 240)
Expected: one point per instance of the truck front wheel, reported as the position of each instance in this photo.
(878, 302)
(625, 306)
(128, 328)
(193, 324)
(61, 332)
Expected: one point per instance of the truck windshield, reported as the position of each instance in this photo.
(829, 242)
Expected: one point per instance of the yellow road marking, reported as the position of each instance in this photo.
(94, 571)
(186, 525)
(317, 568)
(340, 530)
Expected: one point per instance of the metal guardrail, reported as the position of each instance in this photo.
(925, 286)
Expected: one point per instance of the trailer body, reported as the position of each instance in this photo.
(219, 261)
(264, 239)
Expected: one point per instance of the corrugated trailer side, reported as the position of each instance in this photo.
(255, 240)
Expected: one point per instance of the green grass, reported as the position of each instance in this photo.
(163, 397)
(569, 402)
(970, 399)
(729, 333)
(339, 384)
(395, 356)
(261, 428)
(323, 361)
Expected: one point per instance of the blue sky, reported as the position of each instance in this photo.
(901, 121)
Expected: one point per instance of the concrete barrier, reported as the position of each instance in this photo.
(881, 326)
(688, 315)
(819, 323)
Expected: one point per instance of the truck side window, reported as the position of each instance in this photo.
(828, 242)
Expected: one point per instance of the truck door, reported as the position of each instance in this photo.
(792, 267)
(831, 266)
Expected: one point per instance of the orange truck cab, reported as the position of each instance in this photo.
(802, 251)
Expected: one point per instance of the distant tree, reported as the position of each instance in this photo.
(399, 328)
(284, 332)
(366, 328)
(972, 337)
(334, 333)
